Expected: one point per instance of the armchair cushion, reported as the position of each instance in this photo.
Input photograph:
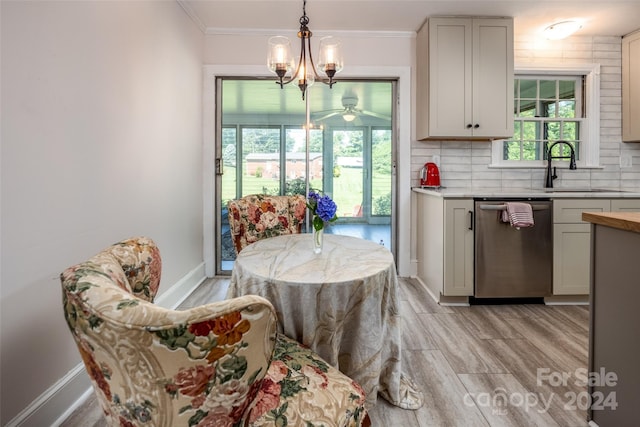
(259, 216)
(220, 364)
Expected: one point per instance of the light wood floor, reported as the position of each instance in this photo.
(488, 365)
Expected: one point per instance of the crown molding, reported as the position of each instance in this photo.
(320, 33)
(194, 16)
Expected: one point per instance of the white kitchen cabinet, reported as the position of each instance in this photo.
(465, 78)
(625, 205)
(571, 243)
(458, 247)
(444, 246)
(631, 87)
(571, 259)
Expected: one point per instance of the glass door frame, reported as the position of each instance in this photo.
(367, 160)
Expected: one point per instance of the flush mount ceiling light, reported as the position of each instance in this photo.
(282, 64)
(561, 30)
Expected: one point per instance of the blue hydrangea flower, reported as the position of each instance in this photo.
(326, 208)
(313, 196)
(322, 208)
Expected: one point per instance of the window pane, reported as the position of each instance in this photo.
(530, 150)
(381, 173)
(530, 131)
(295, 164)
(567, 89)
(229, 160)
(528, 89)
(547, 89)
(512, 150)
(527, 108)
(348, 171)
(569, 131)
(517, 128)
(547, 108)
(261, 159)
(567, 109)
(552, 131)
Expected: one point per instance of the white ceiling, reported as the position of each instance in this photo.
(600, 17)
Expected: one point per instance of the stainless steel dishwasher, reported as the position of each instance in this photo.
(510, 262)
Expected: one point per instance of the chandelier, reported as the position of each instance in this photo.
(281, 62)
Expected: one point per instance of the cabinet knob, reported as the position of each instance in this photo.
(476, 126)
(469, 126)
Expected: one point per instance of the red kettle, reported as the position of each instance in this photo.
(430, 175)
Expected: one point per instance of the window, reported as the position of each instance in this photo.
(545, 110)
(550, 106)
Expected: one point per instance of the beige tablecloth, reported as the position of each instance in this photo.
(342, 303)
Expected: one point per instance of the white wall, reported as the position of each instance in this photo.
(465, 164)
(101, 140)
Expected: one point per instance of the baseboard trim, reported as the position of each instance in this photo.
(77, 404)
(567, 300)
(59, 401)
(426, 288)
(176, 294)
(60, 398)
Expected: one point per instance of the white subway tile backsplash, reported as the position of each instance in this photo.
(610, 115)
(610, 108)
(481, 160)
(486, 183)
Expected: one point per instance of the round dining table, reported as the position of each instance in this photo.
(342, 303)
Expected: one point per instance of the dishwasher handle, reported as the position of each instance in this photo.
(504, 207)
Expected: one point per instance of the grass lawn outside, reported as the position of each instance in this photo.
(347, 188)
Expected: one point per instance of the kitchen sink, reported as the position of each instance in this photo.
(580, 190)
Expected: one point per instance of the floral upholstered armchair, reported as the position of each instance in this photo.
(259, 216)
(220, 364)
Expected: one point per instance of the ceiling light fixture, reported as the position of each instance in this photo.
(349, 116)
(281, 62)
(561, 30)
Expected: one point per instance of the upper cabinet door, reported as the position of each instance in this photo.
(492, 78)
(631, 87)
(450, 68)
(465, 78)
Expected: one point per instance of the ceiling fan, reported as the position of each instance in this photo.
(349, 112)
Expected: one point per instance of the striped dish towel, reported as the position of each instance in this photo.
(518, 214)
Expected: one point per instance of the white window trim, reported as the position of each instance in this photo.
(590, 132)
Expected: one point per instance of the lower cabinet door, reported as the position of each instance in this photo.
(571, 259)
(458, 247)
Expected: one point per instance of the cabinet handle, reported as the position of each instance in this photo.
(469, 126)
(476, 126)
(470, 220)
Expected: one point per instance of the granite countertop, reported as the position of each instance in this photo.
(629, 221)
(553, 193)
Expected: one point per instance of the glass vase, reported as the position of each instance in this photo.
(317, 240)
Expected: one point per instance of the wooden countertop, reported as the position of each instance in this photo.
(629, 221)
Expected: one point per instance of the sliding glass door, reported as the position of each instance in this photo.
(263, 149)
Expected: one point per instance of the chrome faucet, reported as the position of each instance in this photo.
(572, 163)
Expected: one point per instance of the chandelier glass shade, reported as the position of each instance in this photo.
(281, 62)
